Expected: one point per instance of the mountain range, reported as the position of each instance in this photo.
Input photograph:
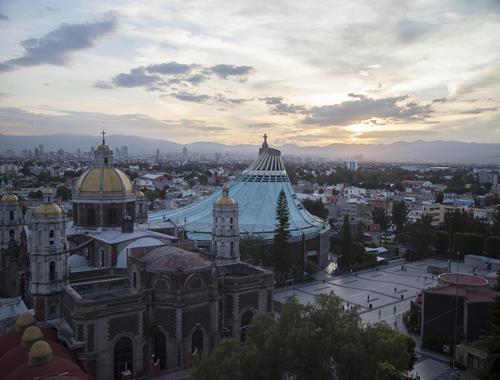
(412, 152)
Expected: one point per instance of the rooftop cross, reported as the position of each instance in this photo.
(265, 138)
(103, 133)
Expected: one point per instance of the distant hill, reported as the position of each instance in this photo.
(413, 152)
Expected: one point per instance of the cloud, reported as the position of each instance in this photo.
(136, 78)
(57, 46)
(4, 17)
(229, 71)
(170, 68)
(190, 97)
(103, 85)
(278, 107)
(399, 134)
(478, 111)
(409, 31)
(197, 125)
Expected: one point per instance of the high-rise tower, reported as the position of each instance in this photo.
(226, 231)
(48, 249)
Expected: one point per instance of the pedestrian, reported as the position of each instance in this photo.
(395, 290)
(379, 313)
(368, 298)
(394, 310)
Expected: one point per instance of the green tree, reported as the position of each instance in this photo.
(64, 193)
(315, 207)
(347, 249)
(490, 342)
(386, 371)
(252, 249)
(418, 238)
(439, 197)
(223, 364)
(399, 215)
(280, 251)
(379, 217)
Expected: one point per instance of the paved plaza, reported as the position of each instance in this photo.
(384, 294)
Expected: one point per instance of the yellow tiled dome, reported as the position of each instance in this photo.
(48, 209)
(31, 335)
(103, 148)
(104, 180)
(225, 201)
(40, 353)
(10, 198)
(24, 320)
(139, 194)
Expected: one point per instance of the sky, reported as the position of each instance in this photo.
(304, 72)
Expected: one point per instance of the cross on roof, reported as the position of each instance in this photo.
(103, 133)
(265, 138)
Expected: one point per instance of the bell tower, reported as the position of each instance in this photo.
(103, 154)
(226, 230)
(48, 250)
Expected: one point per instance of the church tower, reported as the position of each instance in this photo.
(11, 220)
(48, 249)
(226, 230)
(13, 257)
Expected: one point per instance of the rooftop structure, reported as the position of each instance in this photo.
(255, 191)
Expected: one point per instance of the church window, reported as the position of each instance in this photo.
(51, 233)
(112, 216)
(11, 215)
(91, 217)
(52, 271)
(123, 357)
(161, 349)
(101, 256)
(197, 342)
(106, 160)
(232, 249)
(231, 222)
(134, 280)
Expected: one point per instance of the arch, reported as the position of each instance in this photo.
(162, 282)
(123, 356)
(197, 341)
(52, 271)
(101, 256)
(246, 320)
(193, 282)
(160, 349)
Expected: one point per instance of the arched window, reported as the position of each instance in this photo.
(52, 271)
(11, 215)
(232, 249)
(134, 280)
(12, 234)
(246, 320)
(197, 342)
(161, 349)
(231, 222)
(195, 283)
(123, 357)
(51, 233)
(101, 256)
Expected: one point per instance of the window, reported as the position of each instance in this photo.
(106, 160)
(232, 249)
(134, 280)
(161, 349)
(123, 357)
(52, 271)
(112, 216)
(51, 233)
(101, 256)
(11, 215)
(197, 342)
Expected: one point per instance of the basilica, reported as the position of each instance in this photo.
(128, 298)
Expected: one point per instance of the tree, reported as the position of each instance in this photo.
(495, 228)
(316, 207)
(418, 238)
(379, 217)
(64, 193)
(347, 249)
(491, 340)
(399, 215)
(281, 234)
(439, 197)
(252, 249)
(309, 342)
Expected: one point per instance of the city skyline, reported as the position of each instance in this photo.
(309, 74)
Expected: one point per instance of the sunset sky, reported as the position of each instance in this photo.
(304, 72)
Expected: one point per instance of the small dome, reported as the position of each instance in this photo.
(47, 190)
(104, 181)
(103, 148)
(30, 336)
(24, 320)
(48, 210)
(10, 198)
(140, 194)
(40, 353)
(169, 258)
(225, 200)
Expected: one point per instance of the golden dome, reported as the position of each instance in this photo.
(47, 190)
(40, 353)
(48, 210)
(225, 200)
(24, 320)
(31, 335)
(104, 180)
(10, 198)
(103, 148)
(139, 194)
